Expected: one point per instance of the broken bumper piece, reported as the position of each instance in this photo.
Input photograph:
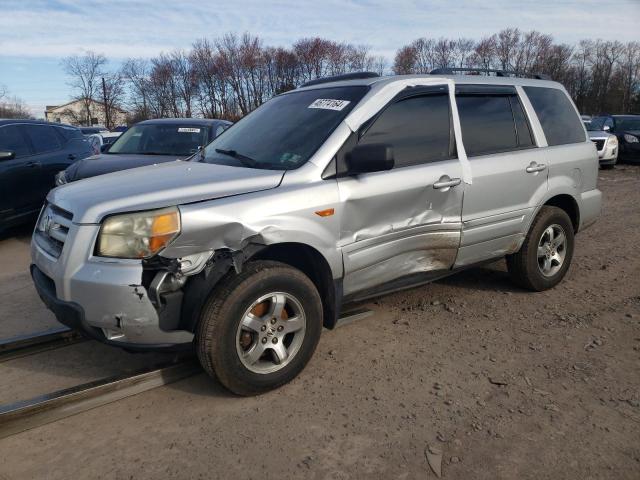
(137, 329)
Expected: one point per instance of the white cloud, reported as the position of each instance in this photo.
(123, 28)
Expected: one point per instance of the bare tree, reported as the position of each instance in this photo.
(85, 72)
(12, 107)
(230, 76)
(113, 90)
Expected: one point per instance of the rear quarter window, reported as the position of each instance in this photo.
(69, 133)
(560, 122)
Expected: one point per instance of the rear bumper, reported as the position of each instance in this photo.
(590, 207)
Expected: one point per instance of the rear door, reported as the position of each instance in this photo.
(404, 222)
(509, 172)
(18, 176)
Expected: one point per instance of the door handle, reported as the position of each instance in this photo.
(444, 183)
(32, 164)
(535, 167)
(71, 156)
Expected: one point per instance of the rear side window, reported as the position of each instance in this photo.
(487, 124)
(43, 138)
(12, 140)
(559, 120)
(418, 129)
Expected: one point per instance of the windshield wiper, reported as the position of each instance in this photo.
(246, 161)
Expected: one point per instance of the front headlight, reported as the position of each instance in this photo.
(630, 138)
(138, 235)
(612, 141)
(60, 178)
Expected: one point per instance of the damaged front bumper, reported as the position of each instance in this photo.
(106, 298)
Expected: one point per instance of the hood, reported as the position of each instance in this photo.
(158, 186)
(598, 134)
(107, 163)
(635, 133)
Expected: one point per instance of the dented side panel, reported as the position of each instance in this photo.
(396, 223)
(283, 215)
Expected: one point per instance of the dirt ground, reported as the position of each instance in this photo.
(502, 383)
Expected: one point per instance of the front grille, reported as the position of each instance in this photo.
(599, 144)
(52, 229)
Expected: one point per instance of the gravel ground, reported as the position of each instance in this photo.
(469, 373)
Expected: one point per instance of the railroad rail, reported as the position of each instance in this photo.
(23, 345)
(24, 415)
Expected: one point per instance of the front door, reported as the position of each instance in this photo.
(19, 176)
(405, 222)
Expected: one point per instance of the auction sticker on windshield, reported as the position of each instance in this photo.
(188, 130)
(329, 104)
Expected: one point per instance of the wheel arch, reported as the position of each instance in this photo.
(313, 264)
(569, 204)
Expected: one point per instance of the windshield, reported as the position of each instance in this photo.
(286, 131)
(596, 124)
(161, 139)
(629, 123)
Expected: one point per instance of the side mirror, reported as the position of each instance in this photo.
(606, 128)
(375, 157)
(7, 155)
(104, 147)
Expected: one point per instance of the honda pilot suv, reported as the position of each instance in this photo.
(341, 190)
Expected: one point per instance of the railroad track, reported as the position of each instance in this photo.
(24, 415)
(23, 345)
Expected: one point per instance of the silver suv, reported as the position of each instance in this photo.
(341, 190)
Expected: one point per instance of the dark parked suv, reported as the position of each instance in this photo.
(627, 129)
(31, 153)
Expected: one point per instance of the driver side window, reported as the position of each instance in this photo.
(417, 128)
(12, 140)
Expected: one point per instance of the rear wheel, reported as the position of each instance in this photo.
(259, 328)
(545, 256)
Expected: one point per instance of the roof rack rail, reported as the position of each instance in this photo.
(499, 73)
(337, 78)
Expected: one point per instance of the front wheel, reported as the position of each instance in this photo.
(545, 256)
(259, 328)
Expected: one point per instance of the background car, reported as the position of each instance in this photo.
(606, 144)
(148, 143)
(98, 140)
(93, 130)
(627, 129)
(31, 152)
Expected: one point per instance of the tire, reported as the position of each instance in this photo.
(226, 348)
(532, 272)
(608, 167)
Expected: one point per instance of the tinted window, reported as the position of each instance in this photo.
(68, 132)
(523, 131)
(11, 140)
(559, 120)
(43, 138)
(286, 131)
(487, 124)
(627, 123)
(418, 129)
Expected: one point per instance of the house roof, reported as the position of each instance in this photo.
(51, 108)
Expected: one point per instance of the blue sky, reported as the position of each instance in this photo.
(36, 34)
